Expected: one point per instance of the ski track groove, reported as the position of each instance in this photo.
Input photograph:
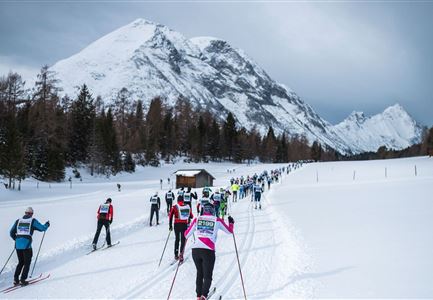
(142, 286)
(227, 280)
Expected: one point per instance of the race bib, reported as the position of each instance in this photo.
(104, 208)
(206, 227)
(217, 197)
(24, 226)
(187, 197)
(203, 201)
(154, 200)
(184, 213)
(169, 196)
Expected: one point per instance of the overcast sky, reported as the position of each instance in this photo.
(339, 56)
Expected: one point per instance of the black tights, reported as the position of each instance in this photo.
(204, 261)
(24, 261)
(106, 224)
(179, 230)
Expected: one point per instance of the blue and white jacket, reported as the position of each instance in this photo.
(24, 241)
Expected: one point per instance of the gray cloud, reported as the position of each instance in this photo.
(338, 56)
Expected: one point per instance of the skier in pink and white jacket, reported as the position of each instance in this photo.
(206, 228)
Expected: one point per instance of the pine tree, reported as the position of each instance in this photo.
(427, 143)
(214, 141)
(153, 129)
(168, 136)
(184, 120)
(229, 130)
(128, 163)
(12, 164)
(269, 146)
(47, 133)
(110, 146)
(316, 151)
(282, 149)
(81, 127)
(122, 107)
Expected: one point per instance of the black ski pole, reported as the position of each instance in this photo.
(163, 251)
(38, 254)
(7, 260)
(239, 264)
(175, 274)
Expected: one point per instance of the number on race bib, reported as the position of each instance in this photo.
(205, 227)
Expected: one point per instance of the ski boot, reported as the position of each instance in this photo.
(24, 282)
(181, 258)
(94, 246)
(16, 282)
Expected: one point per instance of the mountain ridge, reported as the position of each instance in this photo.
(151, 60)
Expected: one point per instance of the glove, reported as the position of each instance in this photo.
(231, 221)
(170, 228)
(47, 223)
(111, 221)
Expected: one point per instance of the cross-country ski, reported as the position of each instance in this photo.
(29, 282)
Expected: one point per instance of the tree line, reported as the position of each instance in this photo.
(41, 133)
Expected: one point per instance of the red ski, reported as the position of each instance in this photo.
(31, 281)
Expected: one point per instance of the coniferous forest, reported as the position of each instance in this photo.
(41, 133)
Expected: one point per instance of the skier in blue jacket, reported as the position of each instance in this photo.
(21, 232)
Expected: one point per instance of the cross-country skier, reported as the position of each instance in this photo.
(155, 202)
(188, 196)
(169, 197)
(21, 232)
(206, 228)
(105, 218)
(235, 189)
(216, 198)
(182, 215)
(180, 192)
(203, 201)
(258, 190)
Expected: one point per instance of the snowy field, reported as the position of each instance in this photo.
(340, 229)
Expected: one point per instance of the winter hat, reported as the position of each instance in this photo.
(109, 200)
(29, 211)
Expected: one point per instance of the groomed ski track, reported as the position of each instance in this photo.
(129, 270)
(329, 230)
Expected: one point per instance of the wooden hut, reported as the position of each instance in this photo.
(194, 178)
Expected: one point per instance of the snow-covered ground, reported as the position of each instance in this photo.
(323, 232)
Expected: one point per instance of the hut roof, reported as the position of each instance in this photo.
(190, 172)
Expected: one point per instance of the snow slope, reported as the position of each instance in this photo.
(320, 234)
(130, 269)
(370, 237)
(149, 60)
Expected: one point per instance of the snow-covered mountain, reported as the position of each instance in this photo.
(393, 128)
(151, 60)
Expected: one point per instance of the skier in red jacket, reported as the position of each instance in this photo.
(105, 218)
(182, 215)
